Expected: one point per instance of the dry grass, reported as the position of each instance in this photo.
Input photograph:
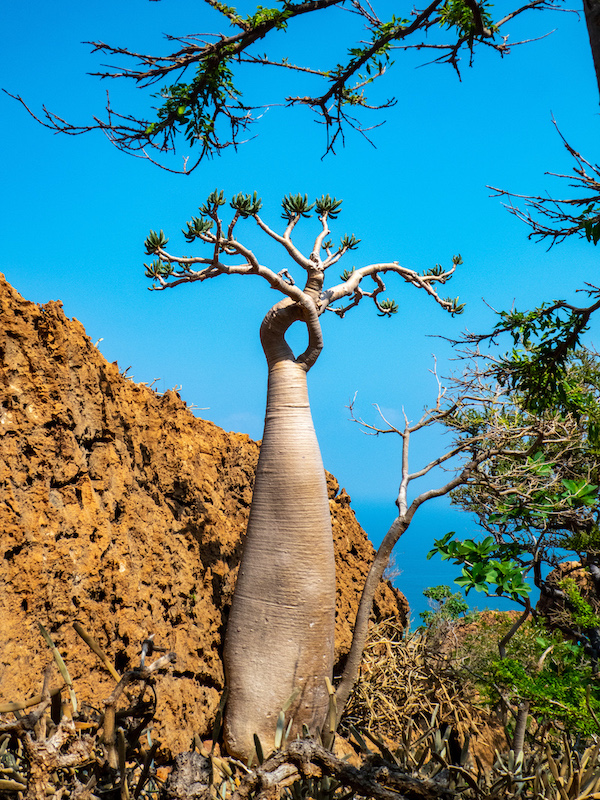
(403, 682)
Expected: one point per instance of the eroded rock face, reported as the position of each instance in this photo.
(123, 511)
(553, 608)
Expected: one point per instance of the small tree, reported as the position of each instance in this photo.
(279, 642)
(550, 504)
(486, 431)
(535, 512)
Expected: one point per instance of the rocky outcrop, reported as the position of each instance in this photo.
(124, 512)
(549, 605)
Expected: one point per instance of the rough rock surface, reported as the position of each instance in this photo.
(123, 511)
(553, 608)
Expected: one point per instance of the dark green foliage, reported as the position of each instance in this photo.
(557, 691)
(456, 306)
(247, 205)
(590, 222)
(295, 205)
(154, 241)
(450, 605)
(582, 614)
(541, 504)
(461, 16)
(196, 227)
(387, 308)
(349, 242)
(158, 269)
(213, 201)
(538, 367)
(264, 15)
(328, 206)
(193, 107)
(542, 667)
(487, 566)
(437, 270)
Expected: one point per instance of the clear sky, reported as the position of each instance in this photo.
(75, 213)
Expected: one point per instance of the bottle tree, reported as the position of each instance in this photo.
(280, 634)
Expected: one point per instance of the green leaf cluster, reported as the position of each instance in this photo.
(349, 242)
(229, 11)
(295, 205)
(298, 205)
(387, 308)
(264, 15)
(590, 223)
(541, 505)
(247, 205)
(488, 566)
(557, 692)
(196, 228)
(450, 605)
(552, 673)
(457, 14)
(581, 611)
(326, 205)
(456, 307)
(213, 201)
(434, 271)
(542, 363)
(155, 241)
(158, 269)
(193, 107)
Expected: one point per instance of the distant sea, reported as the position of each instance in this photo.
(415, 573)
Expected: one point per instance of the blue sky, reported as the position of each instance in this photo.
(75, 213)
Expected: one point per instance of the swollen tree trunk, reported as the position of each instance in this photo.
(279, 641)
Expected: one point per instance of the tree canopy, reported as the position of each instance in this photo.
(169, 270)
(200, 99)
(537, 509)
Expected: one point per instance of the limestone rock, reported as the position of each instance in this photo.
(122, 510)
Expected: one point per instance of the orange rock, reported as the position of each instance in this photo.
(123, 511)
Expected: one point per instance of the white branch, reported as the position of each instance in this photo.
(316, 251)
(285, 241)
(349, 287)
(218, 268)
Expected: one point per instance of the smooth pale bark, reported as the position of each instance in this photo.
(280, 633)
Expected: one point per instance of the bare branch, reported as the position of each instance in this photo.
(555, 219)
(285, 240)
